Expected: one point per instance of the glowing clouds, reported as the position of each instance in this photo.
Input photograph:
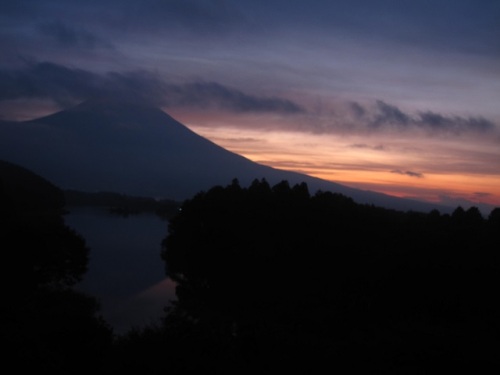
(420, 168)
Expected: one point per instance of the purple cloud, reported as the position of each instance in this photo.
(408, 173)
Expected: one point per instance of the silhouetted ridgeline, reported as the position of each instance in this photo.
(47, 327)
(132, 148)
(24, 191)
(271, 278)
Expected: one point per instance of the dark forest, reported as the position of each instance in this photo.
(269, 278)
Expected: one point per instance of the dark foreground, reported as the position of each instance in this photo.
(269, 278)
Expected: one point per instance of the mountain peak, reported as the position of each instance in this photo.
(134, 148)
(111, 108)
(117, 121)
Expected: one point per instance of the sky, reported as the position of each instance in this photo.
(396, 96)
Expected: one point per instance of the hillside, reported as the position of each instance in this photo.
(141, 151)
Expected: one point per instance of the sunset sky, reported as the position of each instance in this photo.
(395, 96)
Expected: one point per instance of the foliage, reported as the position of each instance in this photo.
(273, 276)
(47, 326)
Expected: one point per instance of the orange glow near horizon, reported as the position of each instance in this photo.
(427, 170)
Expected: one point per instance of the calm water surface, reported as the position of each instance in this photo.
(125, 271)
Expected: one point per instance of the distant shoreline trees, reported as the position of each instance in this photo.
(121, 204)
(272, 276)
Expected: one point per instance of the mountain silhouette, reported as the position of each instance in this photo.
(135, 149)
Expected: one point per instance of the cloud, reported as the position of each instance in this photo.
(387, 116)
(358, 110)
(200, 17)
(454, 124)
(71, 36)
(66, 86)
(47, 80)
(243, 140)
(480, 194)
(408, 173)
(212, 94)
(211, 15)
(369, 147)
(194, 14)
(464, 26)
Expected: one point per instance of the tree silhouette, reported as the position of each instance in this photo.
(48, 327)
(274, 276)
(494, 217)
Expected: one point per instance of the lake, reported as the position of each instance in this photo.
(125, 270)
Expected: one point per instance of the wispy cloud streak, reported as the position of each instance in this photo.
(379, 147)
(408, 173)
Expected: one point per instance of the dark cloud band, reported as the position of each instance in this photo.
(387, 116)
(69, 85)
(211, 94)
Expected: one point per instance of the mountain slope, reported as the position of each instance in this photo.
(139, 150)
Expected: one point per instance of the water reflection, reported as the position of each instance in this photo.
(125, 272)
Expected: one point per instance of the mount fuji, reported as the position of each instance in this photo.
(135, 149)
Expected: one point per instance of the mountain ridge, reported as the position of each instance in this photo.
(136, 149)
